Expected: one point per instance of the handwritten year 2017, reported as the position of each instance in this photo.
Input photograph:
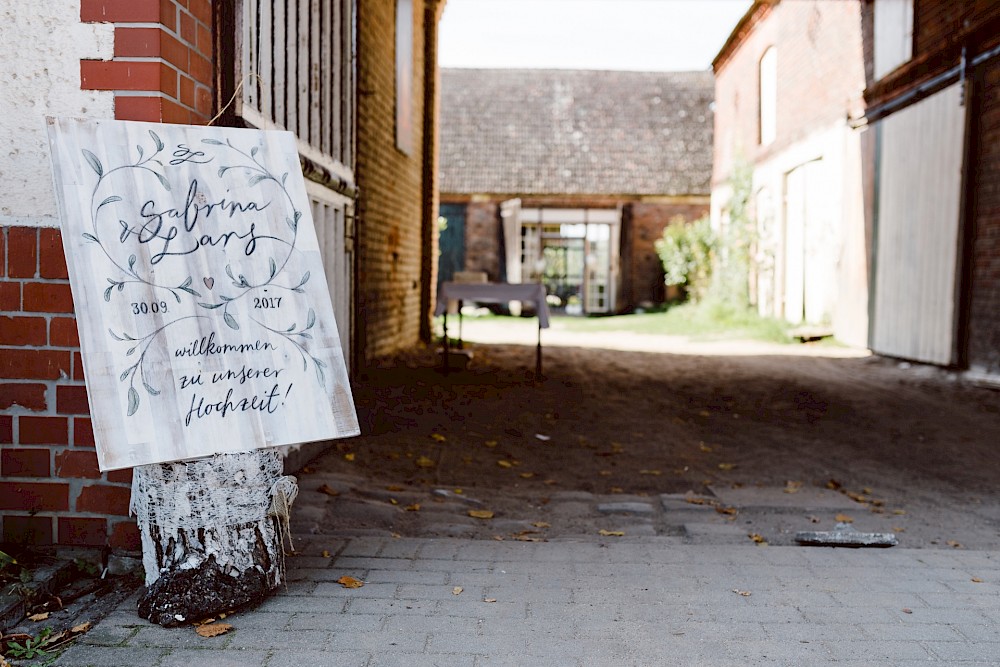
(145, 308)
(267, 302)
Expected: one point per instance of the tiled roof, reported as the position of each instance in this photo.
(524, 131)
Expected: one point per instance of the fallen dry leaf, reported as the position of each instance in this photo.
(694, 500)
(899, 512)
(834, 485)
(438, 437)
(424, 462)
(757, 538)
(457, 590)
(550, 482)
(977, 580)
(655, 473)
(504, 464)
(213, 629)
(349, 457)
(954, 544)
(616, 489)
(498, 538)
(481, 514)
(745, 594)
(395, 487)
(611, 533)
(604, 473)
(792, 487)
(703, 447)
(490, 443)
(731, 511)
(39, 617)
(328, 490)
(726, 466)
(907, 610)
(350, 582)
(541, 524)
(83, 627)
(527, 475)
(705, 413)
(843, 518)
(326, 554)
(395, 536)
(415, 507)
(489, 599)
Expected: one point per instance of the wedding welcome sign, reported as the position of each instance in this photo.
(205, 319)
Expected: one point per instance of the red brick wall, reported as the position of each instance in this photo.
(820, 78)
(51, 490)
(391, 187)
(642, 270)
(161, 72)
(984, 306)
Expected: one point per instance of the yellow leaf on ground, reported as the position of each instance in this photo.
(424, 462)
(395, 536)
(393, 501)
(438, 437)
(726, 466)
(541, 524)
(457, 590)
(694, 500)
(655, 473)
(349, 457)
(213, 629)
(758, 538)
(899, 512)
(703, 447)
(415, 507)
(459, 491)
(504, 464)
(328, 490)
(39, 617)
(490, 443)
(731, 511)
(481, 514)
(792, 487)
(527, 475)
(395, 487)
(705, 413)
(83, 627)
(977, 580)
(616, 489)
(843, 518)
(350, 582)
(326, 554)
(611, 533)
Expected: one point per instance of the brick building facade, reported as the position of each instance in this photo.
(159, 61)
(933, 66)
(598, 163)
(788, 79)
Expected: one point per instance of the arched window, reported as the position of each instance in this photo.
(768, 90)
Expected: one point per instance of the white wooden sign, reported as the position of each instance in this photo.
(205, 319)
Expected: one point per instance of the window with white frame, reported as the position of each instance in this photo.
(768, 90)
(893, 38)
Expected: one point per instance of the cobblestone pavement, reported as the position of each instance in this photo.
(589, 602)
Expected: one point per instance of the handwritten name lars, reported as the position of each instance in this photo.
(205, 320)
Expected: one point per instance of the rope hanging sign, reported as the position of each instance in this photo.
(205, 319)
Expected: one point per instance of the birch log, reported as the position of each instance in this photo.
(213, 533)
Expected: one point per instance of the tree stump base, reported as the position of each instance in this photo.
(213, 534)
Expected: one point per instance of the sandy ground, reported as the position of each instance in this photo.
(758, 427)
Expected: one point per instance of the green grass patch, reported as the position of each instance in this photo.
(708, 320)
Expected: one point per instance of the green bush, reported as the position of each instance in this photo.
(687, 253)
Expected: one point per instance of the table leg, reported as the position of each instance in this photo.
(538, 354)
(447, 353)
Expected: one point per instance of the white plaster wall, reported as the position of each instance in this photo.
(839, 148)
(41, 45)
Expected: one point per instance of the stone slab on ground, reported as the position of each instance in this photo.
(594, 602)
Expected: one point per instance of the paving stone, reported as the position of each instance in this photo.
(104, 656)
(315, 658)
(236, 658)
(626, 508)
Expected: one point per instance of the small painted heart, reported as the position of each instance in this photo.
(209, 282)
